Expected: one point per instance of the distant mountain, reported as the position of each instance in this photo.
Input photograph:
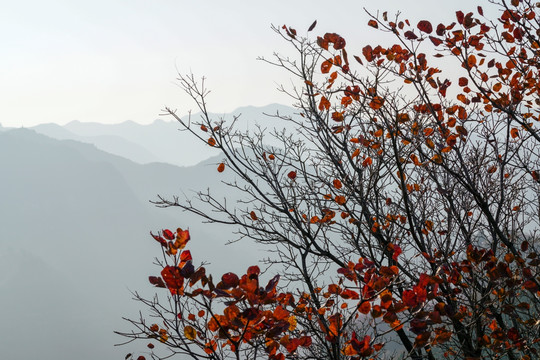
(74, 223)
(162, 141)
(113, 144)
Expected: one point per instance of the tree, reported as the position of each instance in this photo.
(403, 208)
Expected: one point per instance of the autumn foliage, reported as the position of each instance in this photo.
(404, 209)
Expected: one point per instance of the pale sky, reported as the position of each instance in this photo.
(110, 61)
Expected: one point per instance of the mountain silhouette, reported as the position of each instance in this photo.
(163, 140)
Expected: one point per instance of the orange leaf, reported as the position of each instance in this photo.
(324, 104)
(212, 142)
(190, 333)
(365, 307)
(376, 103)
(514, 133)
(471, 61)
(221, 167)
(337, 184)
(253, 216)
(326, 66)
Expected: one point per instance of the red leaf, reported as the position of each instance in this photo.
(253, 271)
(324, 104)
(156, 281)
(168, 234)
(441, 29)
(221, 167)
(326, 66)
(322, 43)
(368, 53)
(280, 313)
(173, 279)
(292, 175)
(339, 44)
(480, 11)
(425, 26)
(376, 103)
(514, 133)
(460, 16)
(230, 280)
(182, 238)
(373, 23)
(185, 256)
(410, 35)
(272, 283)
(365, 308)
(435, 41)
(357, 58)
(397, 252)
(159, 239)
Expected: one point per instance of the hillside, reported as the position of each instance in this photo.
(74, 240)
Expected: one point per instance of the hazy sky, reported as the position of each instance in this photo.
(114, 60)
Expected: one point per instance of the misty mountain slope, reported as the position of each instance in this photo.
(162, 141)
(74, 225)
(113, 144)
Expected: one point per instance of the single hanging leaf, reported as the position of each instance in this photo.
(253, 216)
(313, 25)
(221, 167)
